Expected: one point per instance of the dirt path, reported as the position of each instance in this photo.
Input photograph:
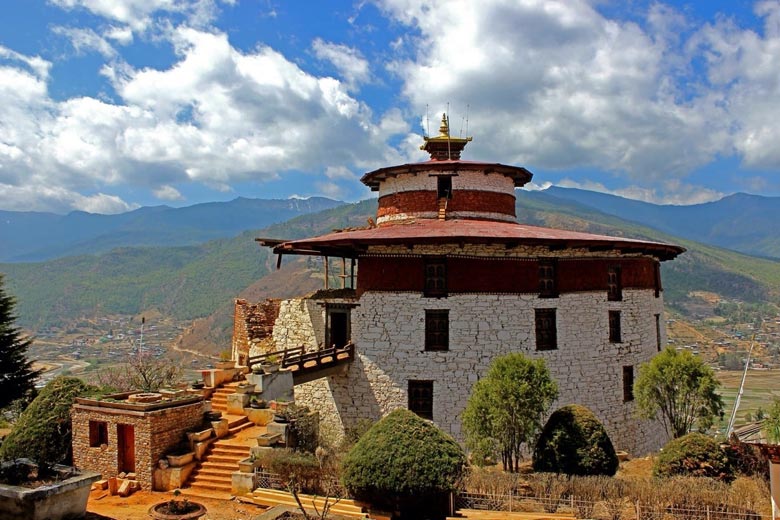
(136, 505)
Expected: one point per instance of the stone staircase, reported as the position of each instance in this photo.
(212, 477)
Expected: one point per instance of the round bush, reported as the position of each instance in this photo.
(43, 432)
(574, 442)
(694, 455)
(403, 462)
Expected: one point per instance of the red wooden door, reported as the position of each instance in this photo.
(125, 447)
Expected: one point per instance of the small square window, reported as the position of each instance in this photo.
(614, 284)
(548, 278)
(614, 327)
(98, 433)
(435, 278)
(437, 329)
(421, 398)
(628, 383)
(546, 329)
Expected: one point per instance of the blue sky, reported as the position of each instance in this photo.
(107, 105)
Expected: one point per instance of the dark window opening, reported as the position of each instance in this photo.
(546, 329)
(98, 433)
(658, 332)
(548, 279)
(437, 330)
(421, 398)
(435, 277)
(628, 383)
(657, 278)
(614, 284)
(444, 187)
(338, 327)
(614, 327)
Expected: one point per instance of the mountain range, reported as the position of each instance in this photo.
(34, 237)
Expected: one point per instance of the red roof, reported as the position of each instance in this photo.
(429, 231)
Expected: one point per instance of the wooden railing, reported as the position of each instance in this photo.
(301, 362)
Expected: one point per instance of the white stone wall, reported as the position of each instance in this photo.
(463, 180)
(450, 215)
(388, 330)
(301, 322)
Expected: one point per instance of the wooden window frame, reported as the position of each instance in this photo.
(420, 397)
(444, 187)
(546, 325)
(548, 278)
(615, 327)
(628, 383)
(435, 277)
(98, 433)
(614, 283)
(437, 337)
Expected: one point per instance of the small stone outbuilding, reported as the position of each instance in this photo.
(112, 435)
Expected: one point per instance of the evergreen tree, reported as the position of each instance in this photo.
(17, 378)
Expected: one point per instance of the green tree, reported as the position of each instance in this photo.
(680, 389)
(17, 378)
(575, 442)
(43, 432)
(405, 463)
(695, 455)
(506, 407)
(772, 422)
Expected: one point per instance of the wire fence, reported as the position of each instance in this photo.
(617, 508)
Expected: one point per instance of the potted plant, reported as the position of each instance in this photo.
(257, 368)
(272, 364)
(181, 455)
(177, 509)
(226, 360)
(197, 384)
(256, 402)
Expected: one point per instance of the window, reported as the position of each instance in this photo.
(338, 326)
(98, 433)
(435, 277)
(548, 278)
(628, 383)
(437, 330)
(614, 284)
(658, 332)
(657, 278)
(546, 330)
(444, 187)
(421, 398)
(614, 327)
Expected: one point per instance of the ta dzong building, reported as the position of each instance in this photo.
(447, 280)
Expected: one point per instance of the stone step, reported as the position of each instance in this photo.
(198, 476)
(205, 492)
(226, 460)
(211, 488)
(224, 466)
(230, 453)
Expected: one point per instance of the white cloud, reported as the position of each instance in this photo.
(168, 193)
(349, 61)
(570, 89)
(45, 197)
(138, 14)
(121, 35)
(217, 116)
(84, 40)
(672, 191)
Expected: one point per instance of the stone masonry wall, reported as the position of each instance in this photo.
(388, 330)
(251, 324)
(301, 322)
(464, 180)
(156, 433)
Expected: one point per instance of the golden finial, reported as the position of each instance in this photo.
(444, 129)
(443, 147)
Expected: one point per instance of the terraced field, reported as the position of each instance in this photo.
(761, 387)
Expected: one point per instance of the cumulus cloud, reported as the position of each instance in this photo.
(671, 191)
(349, 61)
(571, 89)
(84, 40)
(168, 193)
(217, 116)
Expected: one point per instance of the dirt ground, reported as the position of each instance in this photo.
(135, 507)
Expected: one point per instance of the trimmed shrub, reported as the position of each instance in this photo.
(694, 455)
(43, 432)
(574, 442)
(298, 470)
(406, 464)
